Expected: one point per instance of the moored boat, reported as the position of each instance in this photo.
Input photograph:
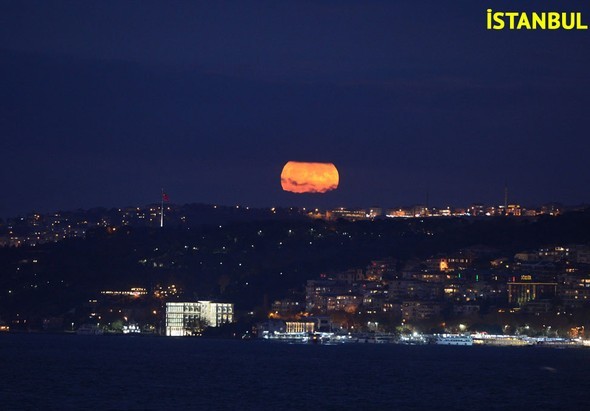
(454, 339)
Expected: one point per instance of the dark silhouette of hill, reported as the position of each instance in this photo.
(248, 262)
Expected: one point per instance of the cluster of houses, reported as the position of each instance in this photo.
(441, 289)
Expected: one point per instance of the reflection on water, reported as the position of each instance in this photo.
(98, 372)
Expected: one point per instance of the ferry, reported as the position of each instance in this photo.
(453, 339)
(502, 340)
(301, 337)
(413, 339)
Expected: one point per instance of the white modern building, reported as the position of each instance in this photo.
(189, 318)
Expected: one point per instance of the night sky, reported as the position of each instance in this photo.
(103, 103)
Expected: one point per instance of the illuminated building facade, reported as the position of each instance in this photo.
(445, 263)
(524, 291)
(346, 214)
(343, 302)
(300, 326)
(134, 292)
(514, 210)
(575, 293)
(286, 308)
(419, 310)
(190, 318)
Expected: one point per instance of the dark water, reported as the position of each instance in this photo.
(85, 372)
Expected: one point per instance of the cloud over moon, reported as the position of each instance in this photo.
(299, 177)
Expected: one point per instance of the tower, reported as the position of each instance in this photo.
(506, 197)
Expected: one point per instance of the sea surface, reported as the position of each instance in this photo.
(61, 372)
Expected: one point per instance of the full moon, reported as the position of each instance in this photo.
(299, 177)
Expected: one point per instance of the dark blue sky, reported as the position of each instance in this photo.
(103, 103)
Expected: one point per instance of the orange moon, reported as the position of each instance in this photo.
(298, 177)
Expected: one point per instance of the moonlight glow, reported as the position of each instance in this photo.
(298, 177)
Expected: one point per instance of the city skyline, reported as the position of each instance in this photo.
(102, 104)
(426, 205)
(312, 200)
(193, 191)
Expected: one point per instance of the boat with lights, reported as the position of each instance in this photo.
(454, 339)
